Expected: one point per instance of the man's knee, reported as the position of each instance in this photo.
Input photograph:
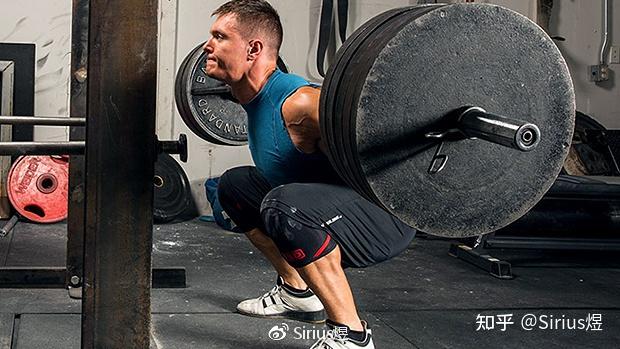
(240, 192)
(299, 244)
(230, 180)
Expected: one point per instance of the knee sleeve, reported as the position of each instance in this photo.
(299, 243)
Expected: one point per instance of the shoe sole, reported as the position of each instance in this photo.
(315, 317)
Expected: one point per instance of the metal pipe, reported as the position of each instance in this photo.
(6, 229)
(42, 148)
(606, 31)
(77, 106)
(510, 132)
(42, 120)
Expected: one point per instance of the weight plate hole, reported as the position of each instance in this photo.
(158, 181)
(47, 183)
(36, 209)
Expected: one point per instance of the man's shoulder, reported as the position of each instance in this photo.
(301, 103)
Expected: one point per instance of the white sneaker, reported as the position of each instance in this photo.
(337, 339)
(280, 303)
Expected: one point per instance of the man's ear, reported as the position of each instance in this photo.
(255, 48)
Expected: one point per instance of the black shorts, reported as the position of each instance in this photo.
(306, 220)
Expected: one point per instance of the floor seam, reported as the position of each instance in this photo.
(395, 330)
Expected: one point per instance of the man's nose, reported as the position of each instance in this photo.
(207, 46)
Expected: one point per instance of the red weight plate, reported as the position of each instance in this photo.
(38, 187)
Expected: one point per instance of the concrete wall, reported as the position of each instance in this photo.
(48, 25)
(185, 23)
(581, 24)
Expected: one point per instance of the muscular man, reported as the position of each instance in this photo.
(291, 205)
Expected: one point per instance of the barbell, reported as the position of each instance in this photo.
(454, 118)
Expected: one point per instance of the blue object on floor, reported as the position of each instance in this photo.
(207, 218)
(218, 211)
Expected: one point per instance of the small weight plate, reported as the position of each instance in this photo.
(172, 193)
(38, 187)
(206, 105)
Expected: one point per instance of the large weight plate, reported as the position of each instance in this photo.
(205, 104)
(333, 131)
(400, 80)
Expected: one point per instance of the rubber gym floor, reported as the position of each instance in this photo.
(424, 298)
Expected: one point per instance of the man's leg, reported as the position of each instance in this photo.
(319, 228)
(240, 192)
(269, 249)
(329, 282)
(316, 256)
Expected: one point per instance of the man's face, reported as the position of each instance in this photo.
(226, 50)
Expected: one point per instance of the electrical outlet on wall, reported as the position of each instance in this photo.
(614, 55)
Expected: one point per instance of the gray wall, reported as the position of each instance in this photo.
(581, 23)
(185, 23)
(48, 25)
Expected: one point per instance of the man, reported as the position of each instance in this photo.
(292, 206)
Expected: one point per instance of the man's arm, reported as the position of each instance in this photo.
(300, 112)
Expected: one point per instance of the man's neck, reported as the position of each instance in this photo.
(247, 88)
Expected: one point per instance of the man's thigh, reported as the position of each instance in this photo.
(365, 233)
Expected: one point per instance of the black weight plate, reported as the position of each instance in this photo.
(180, 94)
(379, 37)
(172, 192)
(215, 117)
(406, 79)
(331, 129)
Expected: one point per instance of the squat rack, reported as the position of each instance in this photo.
(110, 220)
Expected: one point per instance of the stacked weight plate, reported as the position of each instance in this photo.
(400, 75)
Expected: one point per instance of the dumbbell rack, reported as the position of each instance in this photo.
(113, 80)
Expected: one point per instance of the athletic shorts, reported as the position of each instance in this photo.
(311, 217)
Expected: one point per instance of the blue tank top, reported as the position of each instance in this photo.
(273, 152)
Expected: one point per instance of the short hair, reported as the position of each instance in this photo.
(253, 16)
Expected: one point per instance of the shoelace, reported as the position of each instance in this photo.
(276, 289)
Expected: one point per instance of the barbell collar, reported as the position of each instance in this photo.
(42, 148)
(42, 120)
(475, 122)
(174, 147)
